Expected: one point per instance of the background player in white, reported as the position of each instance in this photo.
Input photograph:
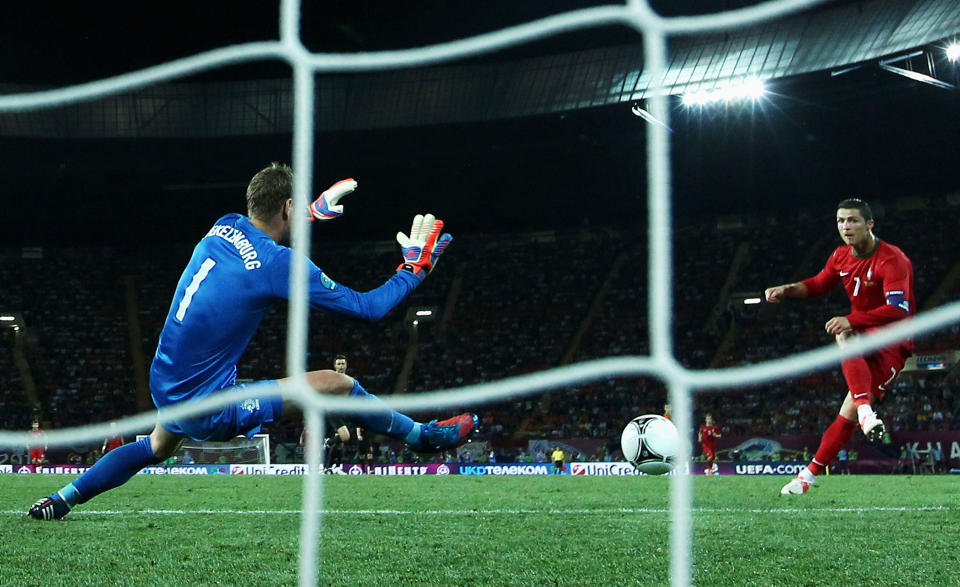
(878, 279)
(237, 270)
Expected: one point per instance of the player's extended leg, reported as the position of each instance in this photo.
(114, 469)
(333, 448)
(835, 438)
(431, 437)
(711, 466)
(857, 373)
(861, 382)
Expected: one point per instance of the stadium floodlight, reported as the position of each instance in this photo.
(754, 88)
(421, 315)
(953, 51)
(7, 318)
(697, 98)
(749, 89)
(751, 301)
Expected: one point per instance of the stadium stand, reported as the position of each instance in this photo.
(503, 306)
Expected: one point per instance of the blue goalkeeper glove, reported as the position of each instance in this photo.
(423, 247)
(326, 207)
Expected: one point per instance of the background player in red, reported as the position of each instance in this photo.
(878, 279)
(707, 437)
(112, 441)
(38, 444)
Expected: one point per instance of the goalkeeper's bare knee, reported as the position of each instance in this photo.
(330, 382)
(164, 443)
(326, 381)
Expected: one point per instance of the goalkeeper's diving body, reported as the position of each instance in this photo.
(235, 273)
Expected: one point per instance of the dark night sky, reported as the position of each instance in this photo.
(67, 42)
(815, 139)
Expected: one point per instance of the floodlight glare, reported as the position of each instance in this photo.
(697, 98)
(953, 51)
(7, 318)
(727, 93)
(754, 88)
(749, 89)
(424, 312)
(751, 301)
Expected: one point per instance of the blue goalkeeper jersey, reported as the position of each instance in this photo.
(234, 275)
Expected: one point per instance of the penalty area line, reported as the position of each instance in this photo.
(496, 512)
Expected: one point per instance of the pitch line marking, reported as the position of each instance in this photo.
(498, 512)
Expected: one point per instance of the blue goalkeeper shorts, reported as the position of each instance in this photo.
(243, 418)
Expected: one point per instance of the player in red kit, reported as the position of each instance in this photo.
(707, 437)
(38, 446)
(878, 279)
(112, 441)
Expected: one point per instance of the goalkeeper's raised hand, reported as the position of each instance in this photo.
(423, 247)
(326, 207)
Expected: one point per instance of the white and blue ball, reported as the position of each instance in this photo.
(649, 443)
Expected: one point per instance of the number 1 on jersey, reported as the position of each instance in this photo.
(198, 278)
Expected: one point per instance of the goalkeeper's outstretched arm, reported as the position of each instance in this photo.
(421, 251)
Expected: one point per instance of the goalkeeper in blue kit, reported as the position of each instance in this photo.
(237, 270)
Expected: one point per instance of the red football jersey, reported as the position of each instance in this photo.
(708, 435)
(40, 441)
(880, 285)
(114, 442)
(38, 444)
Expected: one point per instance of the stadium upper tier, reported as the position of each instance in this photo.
(830, 37)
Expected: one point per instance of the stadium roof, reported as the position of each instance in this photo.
(586, 69)
(539, 136)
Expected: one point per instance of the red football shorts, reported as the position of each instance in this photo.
(884, 366)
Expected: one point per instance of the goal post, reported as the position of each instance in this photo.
(236, 451)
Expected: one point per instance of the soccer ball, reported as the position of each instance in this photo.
(650, 442)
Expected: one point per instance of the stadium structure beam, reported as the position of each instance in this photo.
(885, 64)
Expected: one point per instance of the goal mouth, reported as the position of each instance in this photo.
(236, 451)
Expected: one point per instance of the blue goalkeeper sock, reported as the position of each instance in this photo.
(114, 469)
(385, 420)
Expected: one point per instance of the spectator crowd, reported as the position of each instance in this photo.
(504, 305)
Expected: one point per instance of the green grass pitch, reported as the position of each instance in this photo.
(849, 530)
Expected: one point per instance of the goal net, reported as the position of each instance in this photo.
(237, 451)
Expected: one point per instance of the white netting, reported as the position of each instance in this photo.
(660, 364)
(236, 451)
